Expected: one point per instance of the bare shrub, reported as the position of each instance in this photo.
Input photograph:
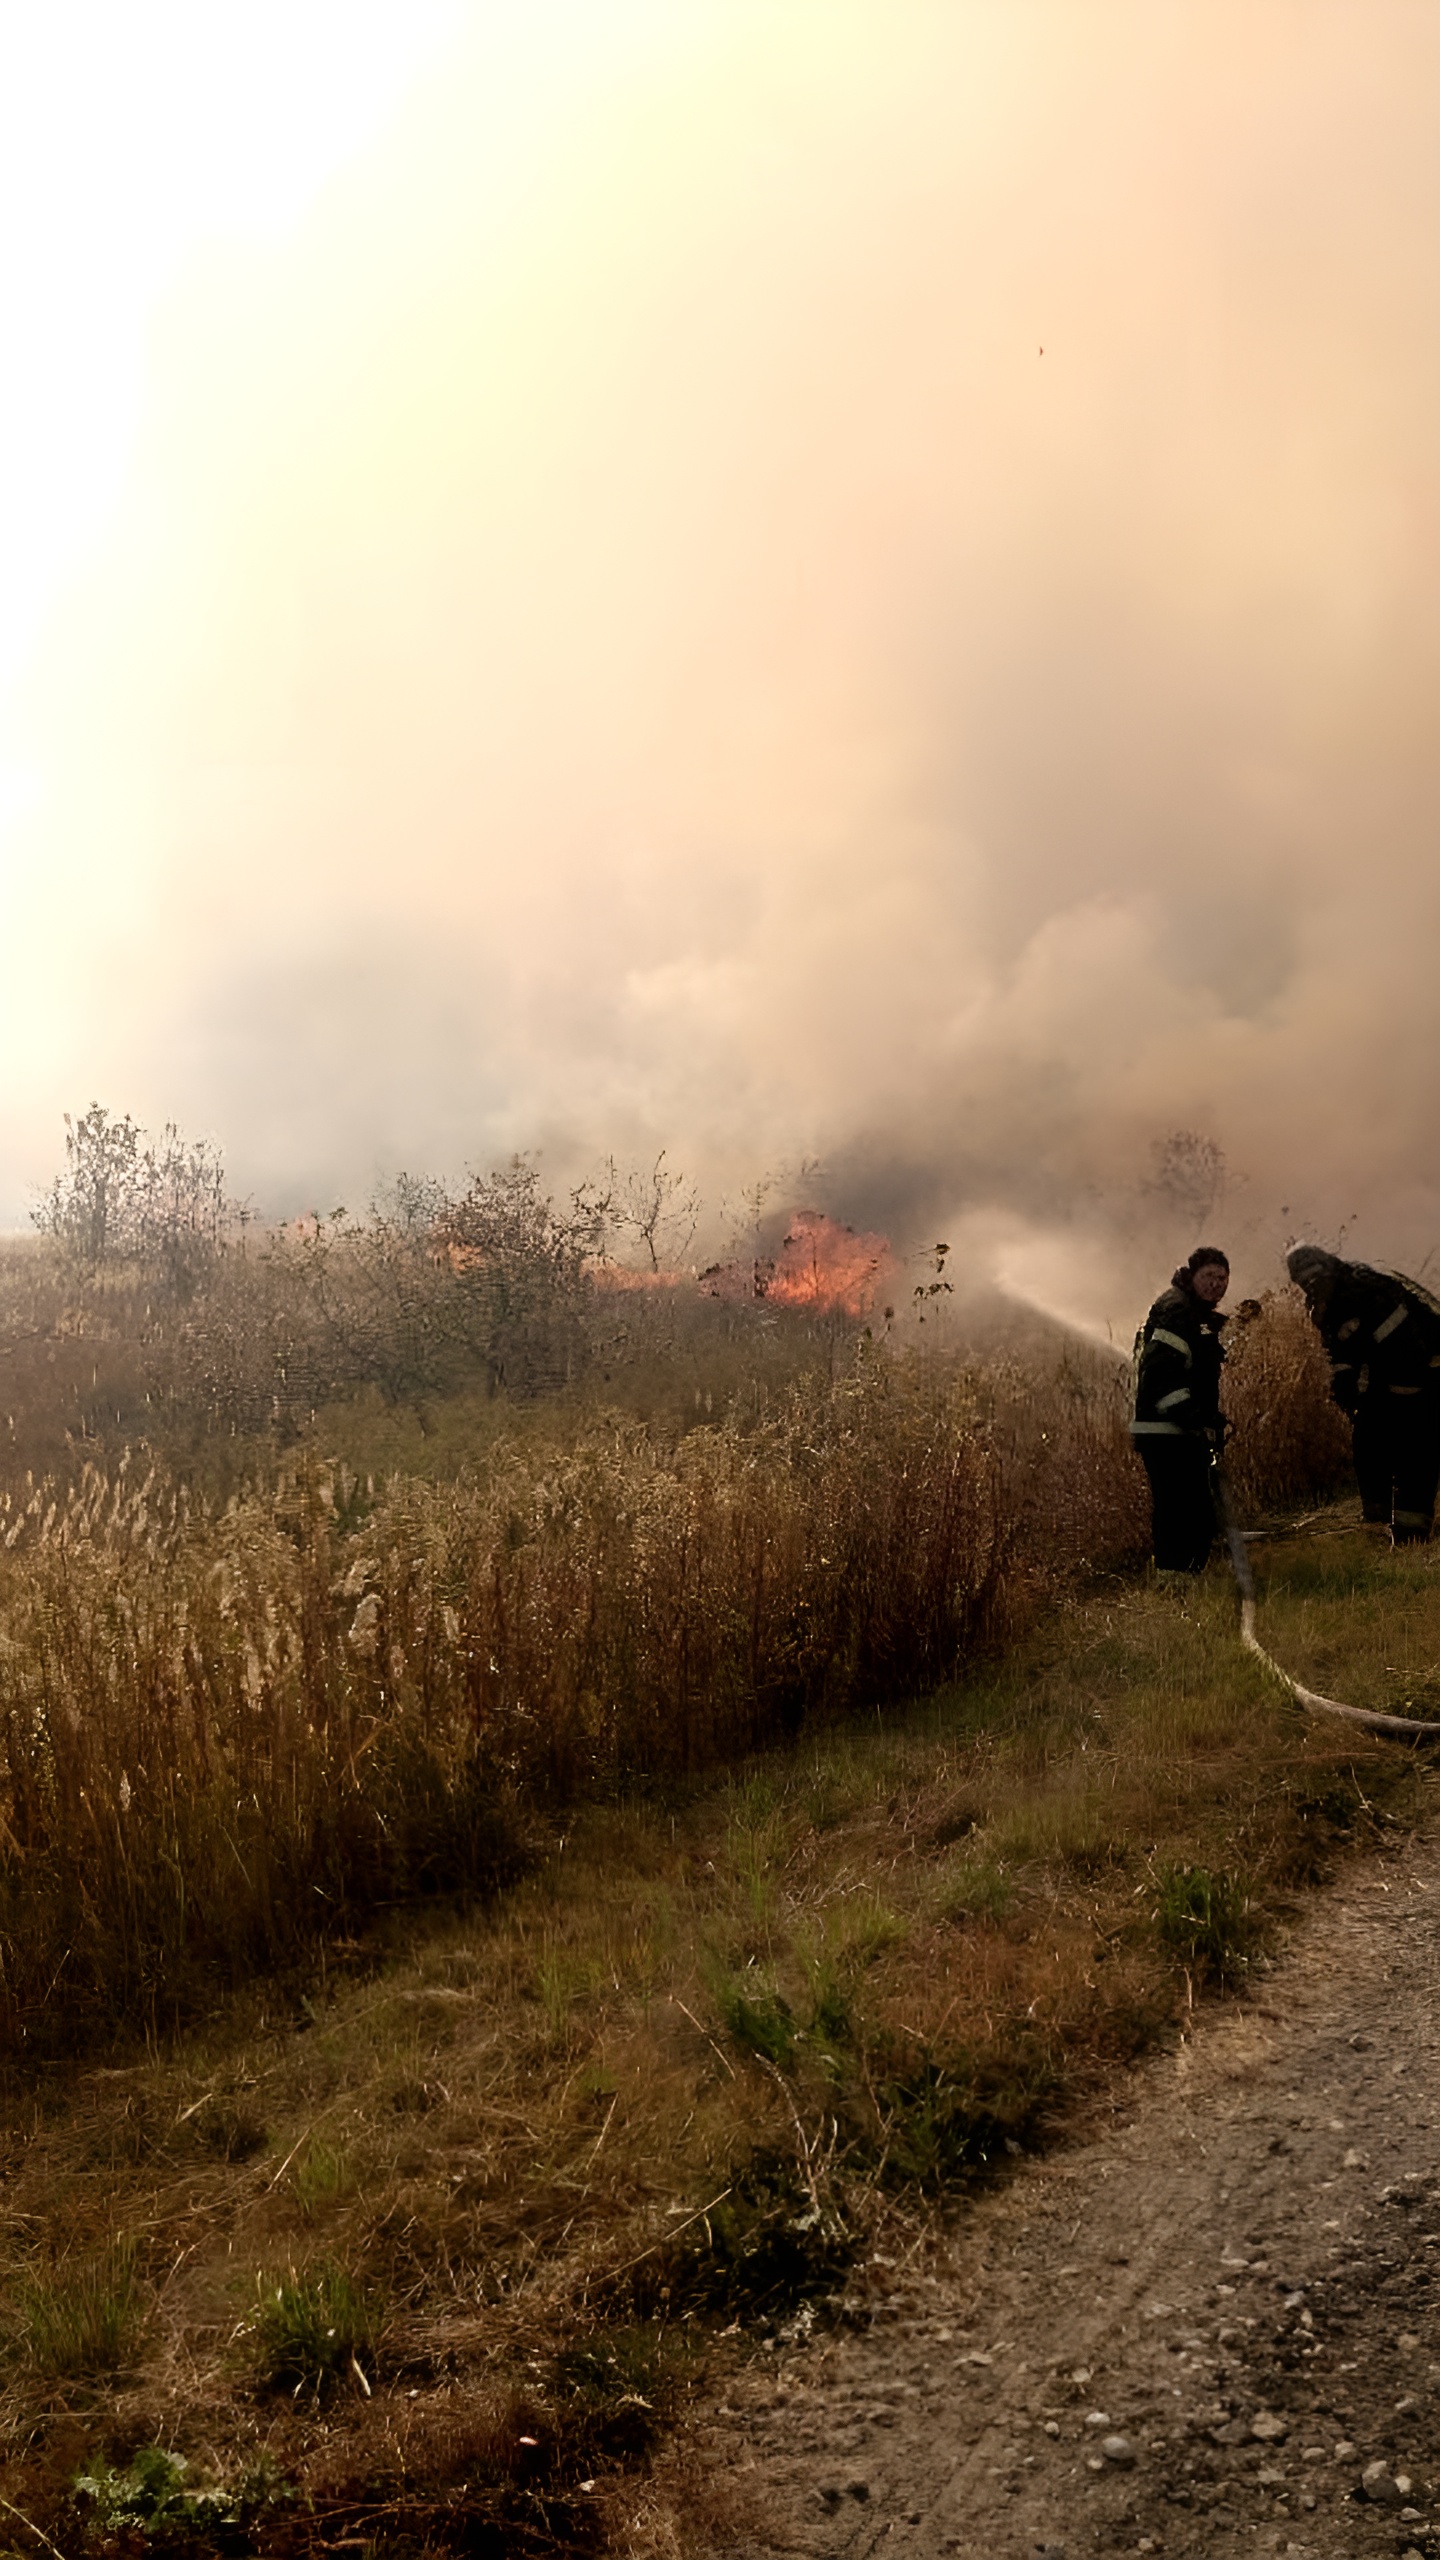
(658, 1208)
(159, 1205)
(427, 1294)
(1188, 1176)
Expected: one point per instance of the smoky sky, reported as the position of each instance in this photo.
(872, 606)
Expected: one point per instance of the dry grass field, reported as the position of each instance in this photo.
(417, 2253)
(542, 1826)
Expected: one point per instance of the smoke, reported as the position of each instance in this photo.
(653, 653)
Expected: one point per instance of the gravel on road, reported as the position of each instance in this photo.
(1212, 2326)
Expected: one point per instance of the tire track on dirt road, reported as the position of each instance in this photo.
(1196, 2331)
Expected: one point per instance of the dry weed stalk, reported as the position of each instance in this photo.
(1289, 1440)
(226, 1733)
(229, 1733)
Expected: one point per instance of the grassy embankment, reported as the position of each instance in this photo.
(557, 1931)
(441, 2244)
(441, 2239)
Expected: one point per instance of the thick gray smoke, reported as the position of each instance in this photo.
(656, 654)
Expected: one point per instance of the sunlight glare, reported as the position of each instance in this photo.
(129, 135)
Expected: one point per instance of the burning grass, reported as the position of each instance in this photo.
(589, 1620)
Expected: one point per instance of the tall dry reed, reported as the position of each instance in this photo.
(230, 1733)
(225, 1734)
(1288, 1439)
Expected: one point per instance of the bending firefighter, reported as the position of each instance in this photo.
(1382, 1333)
(1178, 1427)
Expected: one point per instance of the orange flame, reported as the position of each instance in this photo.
(821, 1267)
(828, 1268)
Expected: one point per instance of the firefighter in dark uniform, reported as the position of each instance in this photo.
(1178, 1426)
(1382, 1333)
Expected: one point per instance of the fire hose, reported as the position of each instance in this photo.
(1405, 1728)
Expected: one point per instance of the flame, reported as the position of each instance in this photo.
(832, 1270)
(822, 1267)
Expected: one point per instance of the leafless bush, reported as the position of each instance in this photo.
(109, 1339)
(1188, 1176)
(430, 1293)
(655, 1207)
(124, 1199)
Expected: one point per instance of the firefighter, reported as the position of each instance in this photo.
(1382, 1333)
(1178, 1427)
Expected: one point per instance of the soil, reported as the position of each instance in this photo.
(1196, 2330)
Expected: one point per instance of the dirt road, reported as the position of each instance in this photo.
(1200, 2331)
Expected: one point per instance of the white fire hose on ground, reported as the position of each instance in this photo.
(1405, 1728)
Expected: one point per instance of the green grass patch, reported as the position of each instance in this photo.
(83, 2318)
(321, 2178)
(615, 2389)
(947, 2119)
(1208, 1921)
(974, 1888)
(759, 2019)
(769, 2242)
(155, 2497)
(314, 2331)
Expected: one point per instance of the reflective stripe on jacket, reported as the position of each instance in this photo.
(1382, 1332)
(1178, 1354)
